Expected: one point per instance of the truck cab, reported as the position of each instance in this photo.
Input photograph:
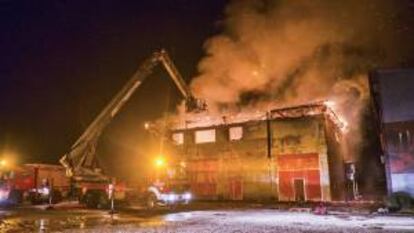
(170, 186)
(171, 194)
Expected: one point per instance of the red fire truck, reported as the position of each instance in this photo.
(37, 183)
(81, 163)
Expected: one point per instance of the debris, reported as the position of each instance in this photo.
(383, 210)
(320, 210)
(301, 210)
(398, 201)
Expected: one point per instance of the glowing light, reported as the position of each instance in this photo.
(344, 127)
(4, 195)
(146, 125)
(329, 107)
(171, 197)
(8, 159)
(160, 161)
(3, 163)
(187, 196)
(330, 103)
(340, 121)
(44, 191)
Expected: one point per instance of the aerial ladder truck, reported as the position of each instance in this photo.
(81, 161)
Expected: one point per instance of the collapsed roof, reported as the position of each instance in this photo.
(203, 120)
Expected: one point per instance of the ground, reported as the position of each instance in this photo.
(201, 219)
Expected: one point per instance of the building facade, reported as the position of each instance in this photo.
(289, 154)
(393, 96)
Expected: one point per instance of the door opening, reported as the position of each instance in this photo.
(299, 185)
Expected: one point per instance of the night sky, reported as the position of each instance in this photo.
(62, 61)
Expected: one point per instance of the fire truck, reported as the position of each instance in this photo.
(169, 185)
(14, 182)
(37, 183)
(89, 182)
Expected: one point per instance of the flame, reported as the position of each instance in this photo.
(332, 111)
(258, 113)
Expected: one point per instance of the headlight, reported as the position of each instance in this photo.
(171, 197)
(187, 196)
(44, 191)
(4, 195)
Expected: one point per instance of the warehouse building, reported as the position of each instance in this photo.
(288, 154)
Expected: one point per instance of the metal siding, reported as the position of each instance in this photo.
(302, 166)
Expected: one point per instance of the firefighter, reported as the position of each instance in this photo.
(351, 184)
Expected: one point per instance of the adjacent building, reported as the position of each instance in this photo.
(393, 95)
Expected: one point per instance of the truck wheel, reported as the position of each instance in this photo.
(34, 198)
(151, 201)
(15, 197)
(56, 196)
(95, 199)
(91, 200)
(173, 206)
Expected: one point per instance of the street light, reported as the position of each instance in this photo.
(3, 163)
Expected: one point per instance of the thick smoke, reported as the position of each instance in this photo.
(288, 52)
(292, 50)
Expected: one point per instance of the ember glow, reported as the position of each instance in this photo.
(338, 119)
(192, 120)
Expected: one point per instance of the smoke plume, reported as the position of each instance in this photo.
(289, 52)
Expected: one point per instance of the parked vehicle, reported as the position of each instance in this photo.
(37, 183)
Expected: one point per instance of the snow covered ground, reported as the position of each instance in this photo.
(205, 218)
(259, 221)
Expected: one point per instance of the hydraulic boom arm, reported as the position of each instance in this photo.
(192, 104)
(81, 162)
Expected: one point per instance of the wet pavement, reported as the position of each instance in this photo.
(37, 220)
(205, 219)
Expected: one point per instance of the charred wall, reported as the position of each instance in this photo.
(370, 167)
(336, 161)
(236, 164)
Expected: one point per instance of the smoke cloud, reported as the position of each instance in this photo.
(291, 52)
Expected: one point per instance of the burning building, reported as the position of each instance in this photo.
(287, 154)
(291, 153)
